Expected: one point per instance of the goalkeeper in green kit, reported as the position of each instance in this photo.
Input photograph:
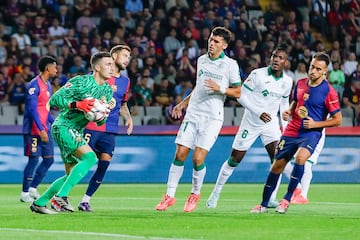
(75, 99)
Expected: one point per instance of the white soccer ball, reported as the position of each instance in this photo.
(99, 111)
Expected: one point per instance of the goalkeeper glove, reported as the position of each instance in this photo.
(84, 105)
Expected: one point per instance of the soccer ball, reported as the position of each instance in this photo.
(99, 111)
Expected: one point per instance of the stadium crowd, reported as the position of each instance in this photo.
(166, 37)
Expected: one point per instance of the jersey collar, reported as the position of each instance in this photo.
(222, 55)
(271, 72)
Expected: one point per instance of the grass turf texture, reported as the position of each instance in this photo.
(127, 211)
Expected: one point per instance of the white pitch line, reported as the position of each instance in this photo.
(88, 234)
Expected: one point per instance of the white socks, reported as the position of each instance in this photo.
(175, 174)
(225, 172)
(197, 180)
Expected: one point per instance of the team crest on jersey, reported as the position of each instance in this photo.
(114, 88)
(112, 103)
(31, 91)
(303, 112)
(200, 73)
(67, 85)
(306, 96)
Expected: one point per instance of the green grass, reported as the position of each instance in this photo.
(126, 211)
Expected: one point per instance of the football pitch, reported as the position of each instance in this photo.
(127, 211)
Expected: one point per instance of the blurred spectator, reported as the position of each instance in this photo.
(163, 93)
(78, 9)
(351, 26)
(98, 6)
(171, 43)
(300, 72)
(166, 68)
(335, 18)
(78, 67)
(26, 73)
(21, 37)
(17, 92)
(12, 11)
(321, 9)
(29, 8)
(271, 13)
(57, 33)
(3, 53)
(65, 17)
(108, 22)
(337, 78)
(39, 32)
(350, 64)
(3, 35)
(186, 65)
(142, 92)
(351, 96)
(135, 7)
(55, 84)
(3, 88)
(85, 20)
(150, 80)
(60, 74)
(71, 41)
(184, 88)
(133, 72)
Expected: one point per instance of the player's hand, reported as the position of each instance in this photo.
(85, 105)
(44, 136)
(211, 86)
(265, 117)
(130, 126)
(309, 123)
(177, 111)
(286, 115)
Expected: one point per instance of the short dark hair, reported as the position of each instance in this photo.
(97, 56)
(44, 61)
(222, 32)
(322, 56)
(281, 47)
(119, 48)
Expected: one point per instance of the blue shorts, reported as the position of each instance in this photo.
(34, 147)
(100, 142)
(288, 146)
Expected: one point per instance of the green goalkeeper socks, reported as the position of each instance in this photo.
(50, 192)
(77, 173)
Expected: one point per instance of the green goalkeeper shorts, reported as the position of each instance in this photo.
(68, 140)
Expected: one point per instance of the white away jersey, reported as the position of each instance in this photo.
(225, 72)
(265, 92)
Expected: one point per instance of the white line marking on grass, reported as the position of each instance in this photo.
(88, 234)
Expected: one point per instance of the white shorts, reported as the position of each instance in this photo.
(198, 131)
(248, 133)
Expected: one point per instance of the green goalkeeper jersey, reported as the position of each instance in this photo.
(77, 89)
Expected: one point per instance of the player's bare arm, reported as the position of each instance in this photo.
(125, 113)
(230, 92)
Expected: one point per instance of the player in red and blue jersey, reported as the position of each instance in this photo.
(314, 99)
(102, 138)
(36, 129)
